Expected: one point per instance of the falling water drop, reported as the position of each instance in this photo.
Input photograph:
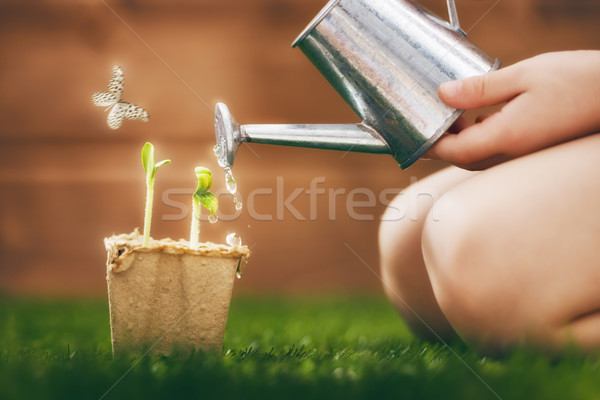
(241, 263)
(220, 150)
(230, 181)
(212, 218)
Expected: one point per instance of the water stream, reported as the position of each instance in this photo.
(230, 182)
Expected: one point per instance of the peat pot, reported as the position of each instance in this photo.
(167, 296)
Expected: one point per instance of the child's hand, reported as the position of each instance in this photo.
(550, 99)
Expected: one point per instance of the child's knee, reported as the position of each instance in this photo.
(394, 232)
(455, 263)
(403, 274)
(399, 247)
(400, 228)
(468, 277)
(403, 220)
(443, 241)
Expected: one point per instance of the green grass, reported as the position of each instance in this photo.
(304, 348)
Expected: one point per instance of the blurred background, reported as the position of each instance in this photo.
(67, 181)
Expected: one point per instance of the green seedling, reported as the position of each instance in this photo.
(150, 167)
(202, 196)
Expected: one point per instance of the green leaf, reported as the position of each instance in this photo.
(148, 159)
(202, 194)
(209, 201)
(158, 164)
(204, 176)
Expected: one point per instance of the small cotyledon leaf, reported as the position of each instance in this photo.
(209, 201)
(206, 198)
(204, 176)
(148, 158)
(148, 161)
(163, 162)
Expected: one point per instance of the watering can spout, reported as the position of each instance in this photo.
(344, 137)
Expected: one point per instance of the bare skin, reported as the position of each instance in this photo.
(405, 278)
(508, 255)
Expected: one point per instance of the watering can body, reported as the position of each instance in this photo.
(386, 58)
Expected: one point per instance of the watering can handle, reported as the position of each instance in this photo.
(453, 16)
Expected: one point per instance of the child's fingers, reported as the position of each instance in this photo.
(479, 142)
(480, 91)
(482, 117)
(459, 125)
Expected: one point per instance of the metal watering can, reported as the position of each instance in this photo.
(386, 58)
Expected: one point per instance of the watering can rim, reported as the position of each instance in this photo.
(316, 20)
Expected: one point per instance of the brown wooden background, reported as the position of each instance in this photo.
(66, 180)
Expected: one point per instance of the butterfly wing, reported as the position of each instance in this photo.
(103, 99)
(134, 112)
(116, 115)
(115, 85)
(125, 110)
(115, 89)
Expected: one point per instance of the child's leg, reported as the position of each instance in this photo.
(405, 278)
(514, 256)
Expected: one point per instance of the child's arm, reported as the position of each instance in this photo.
(550, 99)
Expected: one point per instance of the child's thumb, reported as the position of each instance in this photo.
(479, 91)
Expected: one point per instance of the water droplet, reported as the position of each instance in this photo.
(213, 218)
(230, 181)
(238, 275)
(233, 240)
(231, 185)
(220, 150)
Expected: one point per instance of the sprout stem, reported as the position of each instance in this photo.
(195, 232)
(150, 167)
(148, 215)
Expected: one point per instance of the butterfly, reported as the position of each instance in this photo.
(112, 100)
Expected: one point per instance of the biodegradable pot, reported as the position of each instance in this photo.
(168, 296)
